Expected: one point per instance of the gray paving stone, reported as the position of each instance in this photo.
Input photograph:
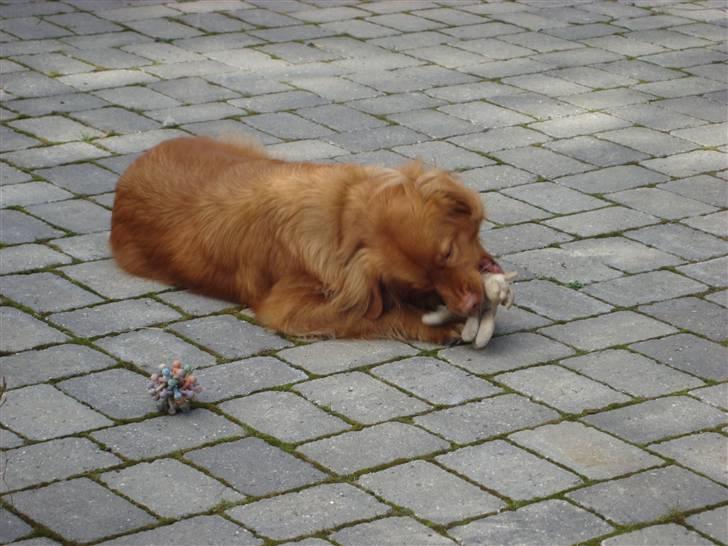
(388, 532)
(393, 104)
(55, 128)
(556, 302)
(21, 331)
(655, 117)
(650, 495)
(504, 210)
(75, 215)
(695, 107)
(287, 125)
(595, 151)
(689, 313)
(15, 141)
(598, 222)
(307, 150)
(360, 397)
(704, 453)
(435, 381)
(563, 265)
(228, 336)
(708, 189)
(195, 304)
(707, 135)
(631, 373)
(430, 492)
(284, 416)
(604, 331)
(499, 139)
(138, 142)
(161, 435)
(612, 179)
(580, 124)
(245, 376)
(107, 514)
(39, 463)
(40, 366)
(114, 317)
(667, 534)
(554, 198)
(308, 511)
(510, 471)
(433, 123)
(370, 447)
(521, 237)
(118, 393)
(688, 163)
(489, 417)
(484, 114)
(506, 353)
(9, 440)
(83, 178)
(660, 203)
(11, 175)
(116, 119)
(91, 246)
(443, 155)
(330, 356)
(106, 278)
(562, 389)
(644, 288)
(537, 105)
(30, 84)
(149, 348)
(335, 89)
(41, 412)
(553, 520)
(12, 527)
(593, 77)
(28, 257)
(254, 467)
(609, 98)
(656, 419)
(31, 193)
(542, 162)
(188, 491)
(277, 102)
(688, 353)
(712, 523)
(680, 240)
(373, 139)
(716, 223)
(50, 156)
(92, 81)
(45, 292)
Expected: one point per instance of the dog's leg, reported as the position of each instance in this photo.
(303, 309)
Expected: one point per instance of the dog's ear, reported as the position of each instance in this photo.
(376, 305)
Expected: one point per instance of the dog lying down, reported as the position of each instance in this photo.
(337, 250)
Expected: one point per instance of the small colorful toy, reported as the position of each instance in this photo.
(479, 328)
(173, 388)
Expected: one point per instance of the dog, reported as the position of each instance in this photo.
(325, 250)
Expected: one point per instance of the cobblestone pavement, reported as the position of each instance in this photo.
(595, 131)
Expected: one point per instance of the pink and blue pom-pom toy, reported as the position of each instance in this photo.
(173, 388)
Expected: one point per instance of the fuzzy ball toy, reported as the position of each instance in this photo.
(479, 328)
(173, 388)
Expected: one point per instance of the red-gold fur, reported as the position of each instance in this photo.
(315, 249)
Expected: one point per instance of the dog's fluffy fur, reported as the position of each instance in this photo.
(335, 250)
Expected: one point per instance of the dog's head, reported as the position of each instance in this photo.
(430, 236)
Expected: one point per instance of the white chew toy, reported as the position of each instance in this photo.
(479, 328)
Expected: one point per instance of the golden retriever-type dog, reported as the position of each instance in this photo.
(336, 250)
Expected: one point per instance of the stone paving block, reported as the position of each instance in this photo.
(141, 98)
(708, 135)
(55, 128)
(688, 163)
(656, 419)
(562, 389)
(487, 115)
(659, 534)
(489, 417)
(447, 56)
(11, 175)
(45, 292)
(245, 376)
(15, 141)
(373, 446)
(542, 162)
(334, 89)
(217, 42)
(430, 492)
(595, 151)
(660, 203)
(612, 179)
(712, 523)
(435, 381)
(287, 125)
(118, 393)
(688, 353)
(105, 513)
(31, 193)
(510, 471)
(689, 313)
(605, 220)
(138, 142)
(228, 336)
(40, 463)
(307, 150)
(387, 532)
(114, 317)
(308, 511)
(654, 117)
(277, 102)
(75, 215)
(194, 113)
(717, 395)
(91, 246)
(443, 155)
(565, 266)
(708, 189)
(84, 178)
(29, 84)
(506, 353)
(284, 416)
(504, 210)
(161, 435)
(695, 107)
(716, 223)
(593, 77)
(188, 490)
(198, 530)
(650, 495)
(360, 397)
(41, 412)
(12, 527)
(50, 156)
(552, 520)
(677, 239)
(254, 467)
(195, 304)
(556, 302)
(433, 123)
(108, 279)
(330, 356)
(604, 331)
(114, 119)
(705, 453)
(40, 366)
(631, 373)
(9, 440)
(150, 347)
(499, 139)
(92, 81)
(644, 288)
(295, 33)
(609, 98)
(554, 198)
(15, 259)
(521, 237)
(537, 105)
(21, 331)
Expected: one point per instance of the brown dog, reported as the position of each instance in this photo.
(315, 249)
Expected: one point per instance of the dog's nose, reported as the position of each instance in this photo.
(468, 303)
(488, 265)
